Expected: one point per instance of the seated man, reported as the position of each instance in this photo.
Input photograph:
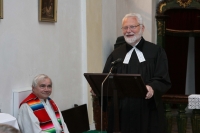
(38, 113)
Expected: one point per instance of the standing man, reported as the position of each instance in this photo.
(38, 113)
(140, 115)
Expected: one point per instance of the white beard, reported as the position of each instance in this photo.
(130, 40)
(133, 39)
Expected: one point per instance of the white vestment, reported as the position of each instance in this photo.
(29, 123)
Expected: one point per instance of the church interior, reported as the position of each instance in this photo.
(78, 36)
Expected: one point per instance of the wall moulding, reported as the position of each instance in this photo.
(1, 9)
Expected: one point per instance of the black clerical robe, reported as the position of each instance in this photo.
(140, 115)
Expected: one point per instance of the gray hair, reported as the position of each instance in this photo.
(135, 15)
(4, 128)
(38, 78)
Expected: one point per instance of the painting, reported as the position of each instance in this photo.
(48, 10)
(1, 9)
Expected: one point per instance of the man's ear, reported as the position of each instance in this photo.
(32, 88)
(143, 27)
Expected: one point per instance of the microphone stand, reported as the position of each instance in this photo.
(102, 96)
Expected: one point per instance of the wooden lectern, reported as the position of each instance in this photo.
(117, 86)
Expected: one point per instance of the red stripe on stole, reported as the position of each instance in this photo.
(30, 97)
(53, 105)
(47, 125)
(42, 115)
(57, 115)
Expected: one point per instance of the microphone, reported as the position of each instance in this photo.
(119, 60)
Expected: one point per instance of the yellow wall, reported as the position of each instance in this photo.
(94, 41)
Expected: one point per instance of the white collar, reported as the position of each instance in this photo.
(138, 52)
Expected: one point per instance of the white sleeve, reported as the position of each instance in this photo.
(28, 122)
(63, 123)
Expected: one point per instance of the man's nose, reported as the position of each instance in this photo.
(128, 30)
(46, 88)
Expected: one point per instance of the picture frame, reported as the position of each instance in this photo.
(1, 9)
(48, 10)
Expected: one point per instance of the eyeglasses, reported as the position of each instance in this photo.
(125, 28)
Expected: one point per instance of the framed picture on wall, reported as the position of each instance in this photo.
(1, 9)
(48, 10)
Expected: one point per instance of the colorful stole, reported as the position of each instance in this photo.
(40, 112)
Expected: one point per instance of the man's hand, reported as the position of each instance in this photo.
(150, 92)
